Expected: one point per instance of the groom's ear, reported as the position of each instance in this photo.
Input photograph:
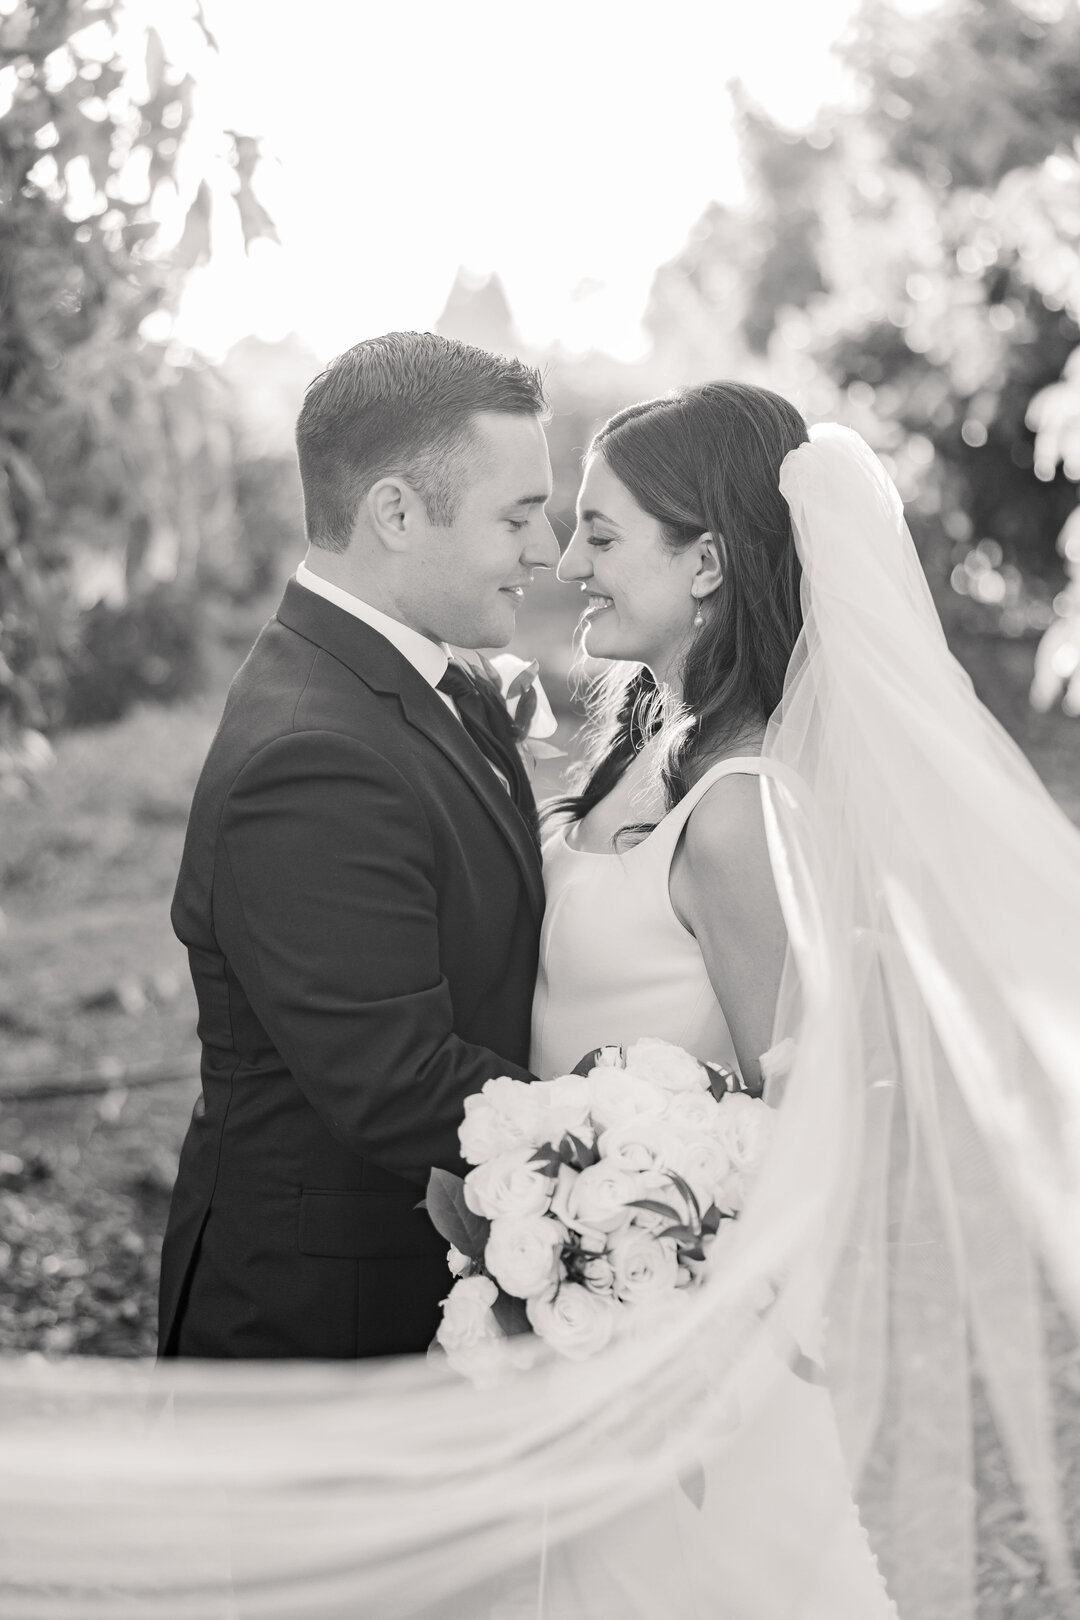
(395, 512)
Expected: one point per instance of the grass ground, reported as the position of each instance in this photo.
(92, 983)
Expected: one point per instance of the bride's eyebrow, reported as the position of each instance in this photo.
(591, 514)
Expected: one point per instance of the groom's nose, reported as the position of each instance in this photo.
(542, 550)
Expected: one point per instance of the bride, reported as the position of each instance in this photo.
(683, 546)
(663, 917)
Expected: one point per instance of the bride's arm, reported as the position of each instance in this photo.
(722, 890)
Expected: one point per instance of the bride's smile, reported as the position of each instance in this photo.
(642, 594)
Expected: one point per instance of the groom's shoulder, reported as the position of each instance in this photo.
(292, 694)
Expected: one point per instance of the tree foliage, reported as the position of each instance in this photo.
(912, 267)
(113, 456)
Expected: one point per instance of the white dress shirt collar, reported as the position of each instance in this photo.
(428, 658)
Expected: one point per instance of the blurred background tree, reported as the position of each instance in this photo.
(909, 265)
(913, 267)
(115, 457)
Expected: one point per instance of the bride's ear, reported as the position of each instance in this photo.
(712, 564)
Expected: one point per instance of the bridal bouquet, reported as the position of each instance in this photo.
(594, 1199)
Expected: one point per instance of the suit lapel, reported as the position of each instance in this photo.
(381, 667)
(427, 713)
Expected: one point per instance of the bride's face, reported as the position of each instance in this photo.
(640, 605)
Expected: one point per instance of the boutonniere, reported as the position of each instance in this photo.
(527, 704)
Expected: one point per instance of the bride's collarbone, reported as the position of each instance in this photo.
(636, 800)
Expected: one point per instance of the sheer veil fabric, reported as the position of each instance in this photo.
(916, 1219)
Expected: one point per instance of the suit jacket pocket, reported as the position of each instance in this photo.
(365, 1225)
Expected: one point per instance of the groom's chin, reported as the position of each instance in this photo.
(499, 627)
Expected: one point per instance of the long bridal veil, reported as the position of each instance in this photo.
(906, 1275)
(953, 882)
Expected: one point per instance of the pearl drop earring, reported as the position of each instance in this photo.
(699, 618)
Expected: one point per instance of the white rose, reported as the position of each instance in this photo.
(467, 1315)
(459, 1263)
(659, 1187)
(484, 1362)
(518, 1110)
(564, 1105)
(637, 1320)
(639, 1144)
(522, 1254)
(617, 1096)
(597, 1273)
(689, 1112)
(703, 1162)
(596, 1200)
(666, 1065)
(732, 1195)
(590, 1238)
(502, 1115)
(508, 1184)
(576, 1323)
(560, 1195)
(481, 1133)
(744, 1128)
(644, 1265)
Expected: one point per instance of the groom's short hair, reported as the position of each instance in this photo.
(400, 405)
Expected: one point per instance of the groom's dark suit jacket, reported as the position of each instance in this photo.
(361, 904)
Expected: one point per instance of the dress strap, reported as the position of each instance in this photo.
(665, 835)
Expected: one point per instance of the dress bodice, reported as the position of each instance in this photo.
(615, 961)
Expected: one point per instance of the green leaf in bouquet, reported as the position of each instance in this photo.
(681, 1234)
(810, 1371)
(581, 1151)
(654, 1208)
(547, 1158)
(721, 1079)
(710, 1221)
(802, 1365)
(509, 1312)
(452, 1217)
(586, 1064)
(687, 1191)
(692, 1480)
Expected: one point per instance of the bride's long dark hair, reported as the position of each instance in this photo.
(705, 458)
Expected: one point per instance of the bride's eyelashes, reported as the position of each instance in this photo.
(599, 543)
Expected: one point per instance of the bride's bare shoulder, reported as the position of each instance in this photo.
(721, 881)
(725, 831)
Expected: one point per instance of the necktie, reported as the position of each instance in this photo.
(477, 718)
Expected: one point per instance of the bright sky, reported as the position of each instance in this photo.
(570, 146)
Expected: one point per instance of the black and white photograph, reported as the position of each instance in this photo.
(540, 810)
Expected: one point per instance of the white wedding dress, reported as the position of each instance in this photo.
(617, 964)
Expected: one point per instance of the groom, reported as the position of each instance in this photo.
(360, 893)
